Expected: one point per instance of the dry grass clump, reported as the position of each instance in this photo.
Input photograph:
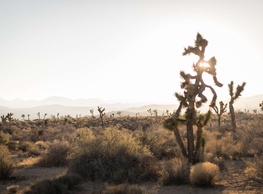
(83, 135)
(4, 138)
(121, 189)
(175, 171)
(6, 163)
(204, 174)
(31, 148)
(115, 155)
(13, 189)
(57, 155)
(223, 146)
(251, 135)
(255, 170)
(219, 145)
(160, 142)
(64, 184)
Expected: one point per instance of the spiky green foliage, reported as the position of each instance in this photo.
(204, 118)
(239, 89)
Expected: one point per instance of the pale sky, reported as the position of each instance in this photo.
(126, 50)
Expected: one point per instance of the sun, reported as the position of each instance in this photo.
(204, 64)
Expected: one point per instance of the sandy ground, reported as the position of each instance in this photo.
(232, 181)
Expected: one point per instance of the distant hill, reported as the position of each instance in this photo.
(17, 103)
(64, 106)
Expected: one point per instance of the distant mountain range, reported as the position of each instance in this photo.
(65, 106)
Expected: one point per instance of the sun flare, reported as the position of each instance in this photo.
(204, 64)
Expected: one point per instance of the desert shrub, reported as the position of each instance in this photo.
(160, 142)
(13, 189)
(18, 135)
(64, 184)
(4, 138)
(175, 171)
(219, 161)
(121, 189)
(255, 170)
(204, 174)
(82, 135)
(219, 145)
(30, 147)
(13, 145)
(116, 156)
(57, 155)
(251, 135)
(6, 163)
(238, 151)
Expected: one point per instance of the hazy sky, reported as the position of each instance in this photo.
(129, 50)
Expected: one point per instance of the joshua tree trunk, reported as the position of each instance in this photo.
(232, 114)
(219, 125)
(199, 151)
(177, 133)
(190, 114)
(219, 122)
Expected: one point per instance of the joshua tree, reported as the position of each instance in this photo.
(58, 116)
(28, 116)
(92, 113)
(155, 111)
(150, 111)
(102, 114)
(38, 114)
(45, 116)
(23, 116)
(193, 98)
(219, 111)
(261, 105)
(233, 97)
(9, 118)
(3, 118)
(119, 113)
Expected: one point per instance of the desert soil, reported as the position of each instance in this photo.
(233, 180)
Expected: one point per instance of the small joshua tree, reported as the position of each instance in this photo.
(233, 97)
(92, 113)
(23, 116)
(261, 105)
(155, 111)
(9, 118)
(219, 112)
(4, 120)
(38, 114)
(119, 113)
(102, 114)
(150, 111)
(193, 98)
(28, 117)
